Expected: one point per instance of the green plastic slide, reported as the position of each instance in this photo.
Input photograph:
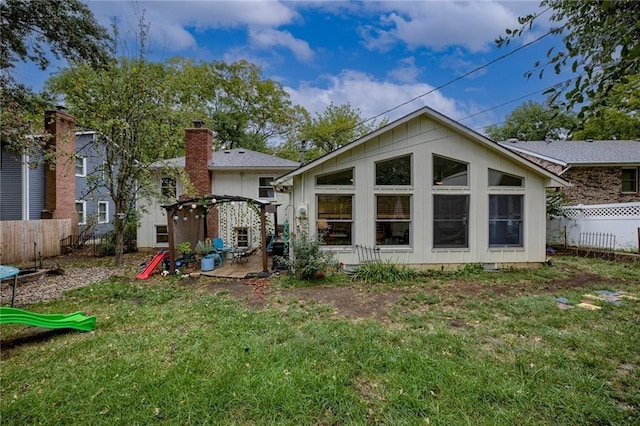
(19, 316)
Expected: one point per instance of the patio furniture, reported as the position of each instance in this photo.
(239, 254)
(221, 247)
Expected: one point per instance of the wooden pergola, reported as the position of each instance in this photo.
(199, 208)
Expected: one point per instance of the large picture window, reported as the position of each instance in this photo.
(450, 221)
(393, 219)
(447, 172)
(505, 220)
(335, 219)
(396, 171)
(343, 177)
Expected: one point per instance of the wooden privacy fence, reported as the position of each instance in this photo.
(22, 240)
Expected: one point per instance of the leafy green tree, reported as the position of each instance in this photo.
(533, 121)
(245, 109)
(31, 30)
(327, 131)
(618, 114)
(601, 38)
(130, 104)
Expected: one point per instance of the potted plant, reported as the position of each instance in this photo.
(185, 248)
(204, 248)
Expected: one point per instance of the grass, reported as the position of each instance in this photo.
(168, 353)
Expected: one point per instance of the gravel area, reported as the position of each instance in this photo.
(78, 271)
(49, 287)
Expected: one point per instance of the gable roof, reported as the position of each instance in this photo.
(582, 153)
(235, 159)
(442, 120)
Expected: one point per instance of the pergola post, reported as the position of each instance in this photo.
(263, 236)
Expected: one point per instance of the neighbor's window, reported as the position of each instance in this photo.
(505, 220)
(162, 234)
(81, 211)
(265, 190)
(396, 171)
(103, 212)
(168, 187)
(393, 220)
(335, 219)
(343, 177)
(450, 221)
(630, 180)
(497, 178)
(81, 165)
(447, 172)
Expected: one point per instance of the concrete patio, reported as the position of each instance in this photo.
(240, 268)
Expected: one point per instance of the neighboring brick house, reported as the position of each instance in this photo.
(32, 189)
(602, 172)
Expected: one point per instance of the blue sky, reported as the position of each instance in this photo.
(374, 55)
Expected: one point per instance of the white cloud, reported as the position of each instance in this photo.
(267, 38)
(171, 20)
(437, 25)
(406, 71)
(371, 96)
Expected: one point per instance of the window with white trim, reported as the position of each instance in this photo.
(265, 189)
(451, 221)
(81, 211)
(506, 220)
(449, 172)
(339, 178)
(168, 187)
(162, 234)
(394, 172)
(393, 220)
(81, 166)
(335, 219)
(103, 212)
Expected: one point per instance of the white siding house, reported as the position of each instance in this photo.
(236, 172)
(426, 191)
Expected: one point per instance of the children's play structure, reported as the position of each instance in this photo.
(151, 266)
(77, 320)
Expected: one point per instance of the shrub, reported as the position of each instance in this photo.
(308, 261)
(384, 272)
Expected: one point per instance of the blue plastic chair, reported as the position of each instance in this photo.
(219, 245)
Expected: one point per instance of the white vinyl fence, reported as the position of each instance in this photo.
(602, 222)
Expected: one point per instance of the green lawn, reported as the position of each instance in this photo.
(167, 352)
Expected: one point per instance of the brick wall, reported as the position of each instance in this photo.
(60, 175)
(198, 153)
(596, 185)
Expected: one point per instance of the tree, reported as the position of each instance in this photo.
(619, 114)
(30, 30)
(533, 121)
(130, 104)
(602, 38)
(336, 126)
(245, 109)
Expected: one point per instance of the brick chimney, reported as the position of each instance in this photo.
(198, 154)
(60, 175)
